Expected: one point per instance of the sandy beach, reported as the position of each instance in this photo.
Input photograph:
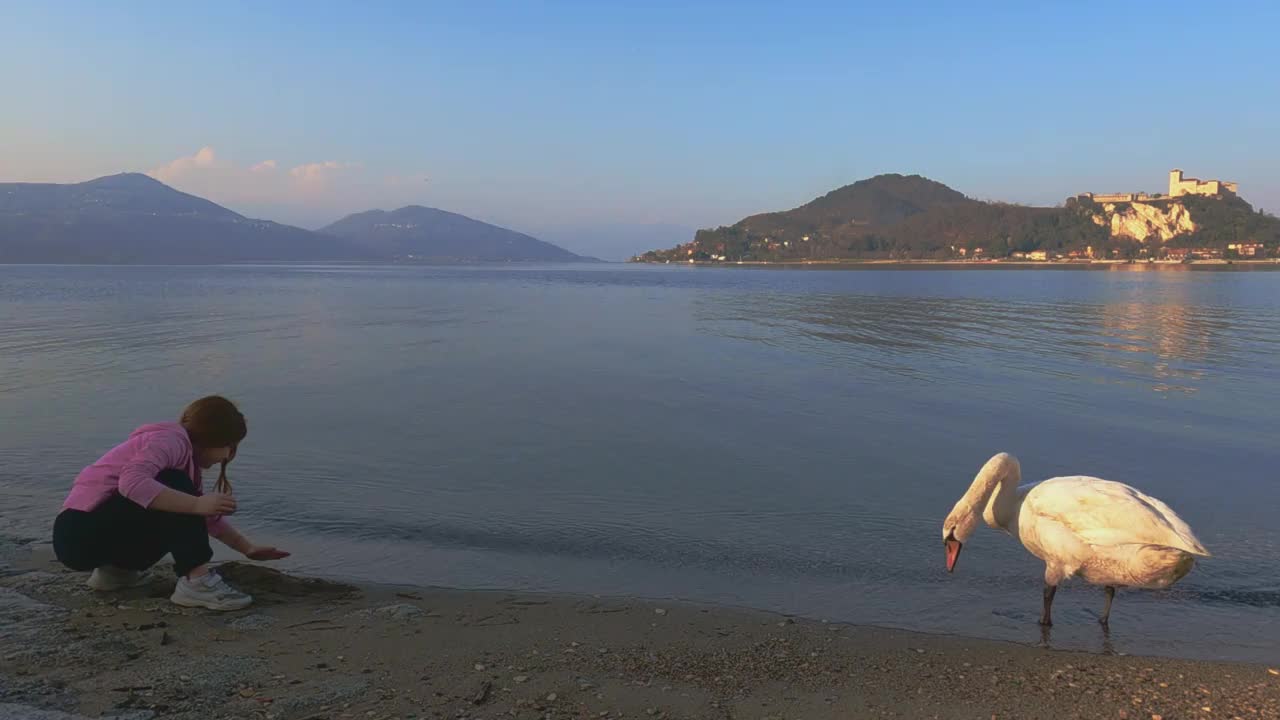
(318, 649)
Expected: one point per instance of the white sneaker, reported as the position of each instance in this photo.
(109, 577)
(209, 591)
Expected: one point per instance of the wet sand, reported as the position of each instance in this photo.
(317, 649)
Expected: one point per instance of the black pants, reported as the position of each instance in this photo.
(122, 533)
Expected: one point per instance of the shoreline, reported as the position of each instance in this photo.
(1273, 264)
(312, 648)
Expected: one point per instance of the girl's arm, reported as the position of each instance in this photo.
(170, 500)
(138, 481)
(138, 476)
(234, 540)
(241, 544)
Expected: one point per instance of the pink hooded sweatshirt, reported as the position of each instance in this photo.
(130, 469)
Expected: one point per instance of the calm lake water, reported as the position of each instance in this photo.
(779, 439)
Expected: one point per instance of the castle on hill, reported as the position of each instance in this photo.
(1178, 186)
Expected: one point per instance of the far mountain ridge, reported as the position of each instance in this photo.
(424, 233)
(122, 193)
(134, 218)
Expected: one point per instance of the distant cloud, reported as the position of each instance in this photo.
(205, 166)
(312, 189)
(318, 171)
(205, 157)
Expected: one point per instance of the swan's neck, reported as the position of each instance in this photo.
(995, 490)
(1003, 506)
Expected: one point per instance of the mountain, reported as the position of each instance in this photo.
(423, 233)
(133, 218)
(123, 193)
(902, 217)
(881, 200)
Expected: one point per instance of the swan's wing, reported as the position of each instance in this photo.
(1103, 512)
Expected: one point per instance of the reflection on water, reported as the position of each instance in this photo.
(1169, 345)
(779, 439)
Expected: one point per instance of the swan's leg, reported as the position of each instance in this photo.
(1049, 591)
(1106, 609)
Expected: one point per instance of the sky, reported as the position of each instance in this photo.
(597, 121)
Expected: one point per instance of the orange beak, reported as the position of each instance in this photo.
(953, 553)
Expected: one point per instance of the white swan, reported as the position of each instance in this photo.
(1106, 532)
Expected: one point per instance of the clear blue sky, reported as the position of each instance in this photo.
(576, 114)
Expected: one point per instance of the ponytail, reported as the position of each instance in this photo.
(223, 485)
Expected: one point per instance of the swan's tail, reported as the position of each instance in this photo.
(1182, 565)
(1184, 539)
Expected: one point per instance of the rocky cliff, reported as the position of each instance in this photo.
(1146, 221)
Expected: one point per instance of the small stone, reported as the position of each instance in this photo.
(920, 650)
(551, 697)
(479, 667)
(660, 611)
(521, 678)
(651, 711)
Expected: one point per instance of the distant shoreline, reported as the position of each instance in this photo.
(852, 264)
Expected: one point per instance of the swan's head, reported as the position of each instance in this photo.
(956, 530)
(963, 519)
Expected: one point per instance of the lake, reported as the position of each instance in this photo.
(780, 439)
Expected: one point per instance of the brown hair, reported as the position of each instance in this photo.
(214, 422)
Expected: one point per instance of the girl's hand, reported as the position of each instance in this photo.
(215, 504)
(265, 552)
